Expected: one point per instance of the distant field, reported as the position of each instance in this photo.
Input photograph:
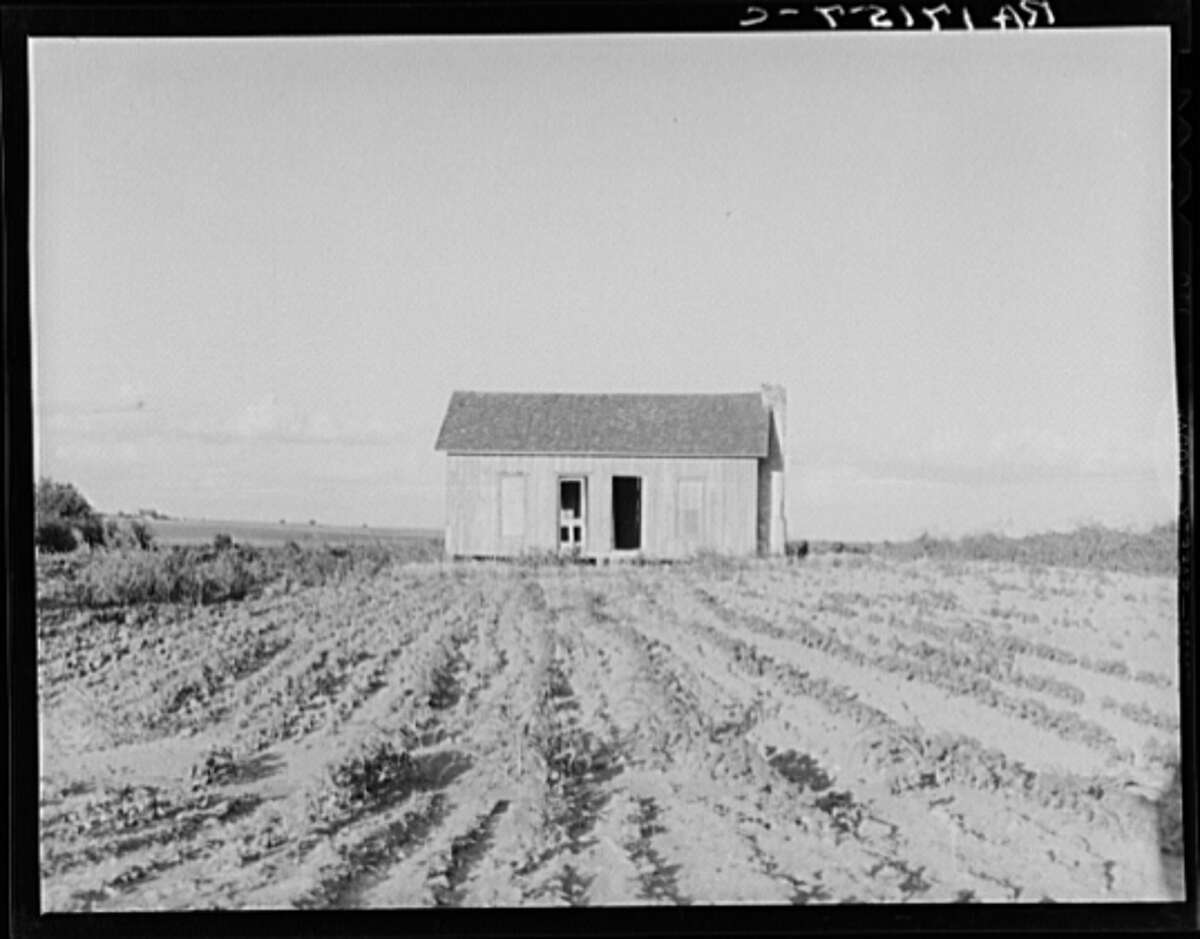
(198, 531)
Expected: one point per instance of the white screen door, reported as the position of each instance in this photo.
(572, 512)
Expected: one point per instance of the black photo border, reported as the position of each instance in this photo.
(19, 23)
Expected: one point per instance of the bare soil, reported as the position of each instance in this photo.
(845, 729)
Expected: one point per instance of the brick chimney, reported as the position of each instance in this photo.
(771, 472)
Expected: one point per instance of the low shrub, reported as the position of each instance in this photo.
(221, 570)
(313, 566)
(796, 549)
(55, 536)
(178, 575)
(1113, 667)
(61, 510)
(128, 533)
(217, 767)
(1147, 677)
(373, 771)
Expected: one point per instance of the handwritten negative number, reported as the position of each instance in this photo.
(878, 17)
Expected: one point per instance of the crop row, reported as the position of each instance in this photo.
(1006, 647)
(916, 755)
(995, 655)
(1141, 713)
(980, 634)
(994, 668)
(122, 819)
(950, 671)
(568, 764)
(915, 758)
(200, 685)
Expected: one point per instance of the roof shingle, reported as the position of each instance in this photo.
(714, 425)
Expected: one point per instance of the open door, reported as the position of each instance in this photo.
(627, 513)
(572, 521)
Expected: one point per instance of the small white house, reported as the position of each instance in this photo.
(612, 475)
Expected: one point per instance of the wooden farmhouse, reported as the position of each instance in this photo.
(614, 475)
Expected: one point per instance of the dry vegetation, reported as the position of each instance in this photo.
(364, 727)
(1090, 546)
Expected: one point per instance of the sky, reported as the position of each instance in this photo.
(260, 266)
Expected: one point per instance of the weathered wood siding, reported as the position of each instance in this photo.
(473, 503)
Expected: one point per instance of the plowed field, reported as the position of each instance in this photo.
(842, 729)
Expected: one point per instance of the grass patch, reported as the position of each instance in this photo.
(223, 570)
(535, 558)
(119, 578)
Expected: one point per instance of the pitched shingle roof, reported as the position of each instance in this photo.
(627, 424)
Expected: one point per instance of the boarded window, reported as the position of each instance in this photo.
(691, 509)
(512, 506)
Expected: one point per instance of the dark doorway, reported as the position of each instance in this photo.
(627, 513)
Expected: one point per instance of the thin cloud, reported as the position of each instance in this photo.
(268, 420)
(263, 421)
